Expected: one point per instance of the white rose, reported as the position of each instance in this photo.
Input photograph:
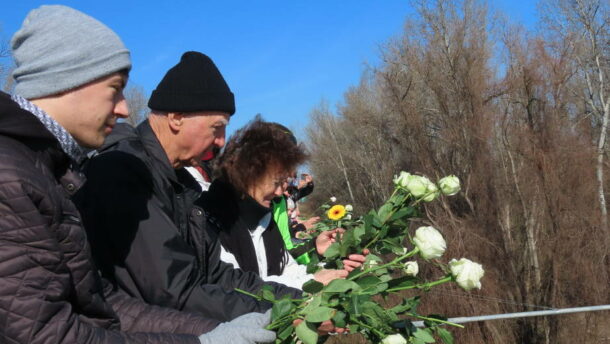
(449, 185)
(430, 242)
(431, 192)
(402, 179)
(348, 207)
(467, 273)
(420, 186)
(394, 339)
(411, 268)
(333, 199)
(347, 217)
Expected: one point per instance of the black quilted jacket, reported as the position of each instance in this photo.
(49, 289)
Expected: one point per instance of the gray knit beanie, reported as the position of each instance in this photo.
(59, 48)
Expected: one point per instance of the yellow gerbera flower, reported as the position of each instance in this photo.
(336, 212)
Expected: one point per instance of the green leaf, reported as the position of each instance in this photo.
(355, 303)
(267, 293)
(340, 286)
(445, 335)
(407, 304)
(312, 286)
(307, 333)
(333, 251)
(384, 211)
(403, 282)
(320, 314)
(339, 319)
(369, 281)
(358, 232)
(281, 308)
(402, 212)
(424, 335)
(315, 302)
(285, 332)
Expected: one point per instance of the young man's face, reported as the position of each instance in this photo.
(200, 132)
(90, 111)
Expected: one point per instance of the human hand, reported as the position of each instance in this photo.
(326, 327)
(310, 222)
(325, 276)
(245, 329)
(326, 238)
(354, 261)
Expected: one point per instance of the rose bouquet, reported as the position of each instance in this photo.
(351, 303)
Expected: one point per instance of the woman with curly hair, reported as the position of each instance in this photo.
(256, 167)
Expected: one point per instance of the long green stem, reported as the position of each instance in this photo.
(421, 286)
(436, 320)
(377, 332)
(396, 260)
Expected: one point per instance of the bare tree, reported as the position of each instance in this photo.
(137, 102)
(583, 26)
(519, 117)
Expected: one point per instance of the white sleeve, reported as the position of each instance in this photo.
(294, 274)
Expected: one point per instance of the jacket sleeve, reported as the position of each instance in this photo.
(35, 304)
(137, 316)
(140, 249)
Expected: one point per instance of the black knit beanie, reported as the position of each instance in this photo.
(194, 84)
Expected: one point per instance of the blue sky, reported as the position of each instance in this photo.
(280, 58)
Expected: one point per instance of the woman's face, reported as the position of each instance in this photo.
(272, 184)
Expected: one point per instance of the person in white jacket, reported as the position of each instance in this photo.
(254, 168)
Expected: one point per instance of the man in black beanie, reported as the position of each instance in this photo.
(138, 203)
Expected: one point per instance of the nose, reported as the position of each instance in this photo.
(121, 109)
(279, 190)
(220, 140)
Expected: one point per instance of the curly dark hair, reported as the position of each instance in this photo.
(255, 148)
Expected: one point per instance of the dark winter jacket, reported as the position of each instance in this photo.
(49, 289)
(149, 238)
(231, 217)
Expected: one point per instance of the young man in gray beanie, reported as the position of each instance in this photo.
(70, 75)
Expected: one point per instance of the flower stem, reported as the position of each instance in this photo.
(396, 260)
(422, 286)
(436, 320)
(249, 294)
(377, 332)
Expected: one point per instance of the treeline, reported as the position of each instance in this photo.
(521, 118)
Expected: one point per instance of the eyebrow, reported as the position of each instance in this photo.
(222, 121)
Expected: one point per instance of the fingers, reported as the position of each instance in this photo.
(357, 258)
(325, 327)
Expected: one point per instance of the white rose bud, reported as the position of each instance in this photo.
(411, 268)
(467, 273)
(430, 242)
(348, 207)
(347, 217)
(402, 179)
(431, 192)
(449, 185)
(333, 199)
(394, 339)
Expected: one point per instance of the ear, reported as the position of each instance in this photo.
(175, 120)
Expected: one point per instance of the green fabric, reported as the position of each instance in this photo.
(280, 215)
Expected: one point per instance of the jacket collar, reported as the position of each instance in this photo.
(23, 126)
(155, 151)
(224, 203)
